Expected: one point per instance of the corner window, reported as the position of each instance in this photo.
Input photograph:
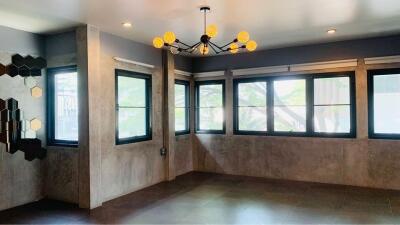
(133, 107)
(210, 103)
(384, 103)
(318, 105)
(182, 107)
(62, 86)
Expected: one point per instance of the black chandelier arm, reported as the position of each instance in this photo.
(234, 41)
(180, 42)
(212, 47)
(193, 48)
(213, 44)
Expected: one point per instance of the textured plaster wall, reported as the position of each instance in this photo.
(359, 161)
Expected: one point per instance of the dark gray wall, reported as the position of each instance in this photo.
(60, 44)
(127, 49)
(17, 41)
(371, 47)
(183, 63)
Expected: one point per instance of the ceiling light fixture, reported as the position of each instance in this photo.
(176, 46)
(331, 31)
(127, 25)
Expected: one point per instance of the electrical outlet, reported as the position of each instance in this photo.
(163, 151)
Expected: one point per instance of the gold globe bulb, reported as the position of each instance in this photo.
(243, 37)
(251, 45)
(169, 37)
(234, 48)
(204, 49)
(158, 42)
(212, 30)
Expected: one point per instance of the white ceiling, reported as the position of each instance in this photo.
(272, 23)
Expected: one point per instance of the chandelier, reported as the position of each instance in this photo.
(176, 46)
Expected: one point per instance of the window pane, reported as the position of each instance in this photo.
(180, 93)
(332, 119)
(253, 118)
(131, 91)
(211, 118)
(210, 95)
(252, 94)
(131, 122)
(180, 119)
(290, 118)
(290, 105)
(290, 92)
(387, 104)
(66, 106)
(334, 90)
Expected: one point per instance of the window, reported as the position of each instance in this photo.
(301, 105)
(384, 103)
(251, 106)
(290, 105)
(133, 107)
(62, 106)
(182, 107)
(210, 103)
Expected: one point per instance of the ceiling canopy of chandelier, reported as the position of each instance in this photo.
(176, 46)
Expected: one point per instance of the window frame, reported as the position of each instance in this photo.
(187, 106)
(148, 100)
(51, 73)
(197, 101)
(309, 89)
(371, 120)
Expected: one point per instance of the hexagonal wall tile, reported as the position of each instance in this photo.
(36, 124)
(12, 70)
(30, 82)
(24, 71)
(36, 92)
(18, 60)
(2, 69)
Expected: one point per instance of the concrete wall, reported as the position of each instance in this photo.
(21, 181)
(61, 170)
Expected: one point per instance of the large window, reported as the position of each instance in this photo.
(384, 103)
(62, 106)
(301, 105)
(210, 103)
(182, 107)
(133, 107)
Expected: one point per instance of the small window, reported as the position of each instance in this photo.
(332, 105)
(62, 106)
(133, 107)
(384, 103)
(250, 106)
(182, 107)
(290, 105)
(210, 99)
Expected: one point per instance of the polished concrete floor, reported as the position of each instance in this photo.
(202, 198)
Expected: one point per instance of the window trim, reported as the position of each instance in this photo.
(187, 106)
(148, 84)
(51, 72)
(309, 79)
(371, 120)
(209, 82)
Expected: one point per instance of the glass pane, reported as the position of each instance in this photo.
(180, 119)
(334, 90)
(131, 122)
(210, 95)
(131, 92)
(290, 92)
(290, 118)
(66, 106)
(387, 104)
(332, 119)
(252, 94)
(180, 95)
(211, 118)
(253, 118)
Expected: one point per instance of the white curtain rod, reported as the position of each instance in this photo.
(133, 62)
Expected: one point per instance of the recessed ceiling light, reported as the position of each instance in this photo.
(127, 25)
(331, 31)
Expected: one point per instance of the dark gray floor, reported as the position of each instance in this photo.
(201, 198)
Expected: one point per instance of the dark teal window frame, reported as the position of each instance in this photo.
(51, 140)
(148, 84)
(309, 79)
(209, 82)
(187, 107)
